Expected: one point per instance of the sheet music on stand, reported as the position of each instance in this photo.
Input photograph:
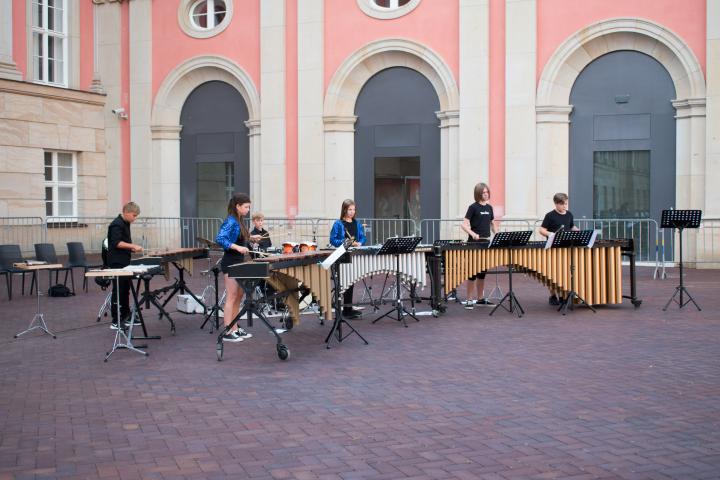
(680, 218)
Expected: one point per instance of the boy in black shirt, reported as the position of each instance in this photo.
(478, 223)
(258, 219)
(553, 221)
(120, 249)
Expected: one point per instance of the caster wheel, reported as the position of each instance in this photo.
(637, 303)
(283, 352)
(435, 313)
(219, 352)
(54, 336)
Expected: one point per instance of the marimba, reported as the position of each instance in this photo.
(598, 271)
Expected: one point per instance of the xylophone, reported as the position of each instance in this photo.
(598, 274)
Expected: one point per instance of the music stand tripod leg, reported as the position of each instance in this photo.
(336, 329)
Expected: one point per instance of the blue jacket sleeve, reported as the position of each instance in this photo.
(361, 233)
(337, 234)
(228, 233)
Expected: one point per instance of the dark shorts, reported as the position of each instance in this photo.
(481, 275)
(231, 257)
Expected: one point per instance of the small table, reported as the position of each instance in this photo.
(122, 339)
(39, 317)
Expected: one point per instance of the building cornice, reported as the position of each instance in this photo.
(52, 93)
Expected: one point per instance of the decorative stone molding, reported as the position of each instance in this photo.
(607, 36)
(358, 68)
(100, 2)
(253, 127)
(689, 107)
(449, 118)
(50, 92)
(553, 113)
(334, 123)
(187, 76)
(166, 132)
(374, 11)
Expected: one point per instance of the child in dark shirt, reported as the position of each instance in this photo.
(258, 220)
(560, 217)
(479, 223)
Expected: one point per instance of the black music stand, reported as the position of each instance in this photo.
(397, 246)
(215, 309)
(680, 220)
(570, 239)
(339, 321)
(510, 240)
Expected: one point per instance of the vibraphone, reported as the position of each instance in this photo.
(598, 271)
(364, 263)
(288, 274)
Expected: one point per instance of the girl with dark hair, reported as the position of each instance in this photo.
(349, 231)
(235, 240)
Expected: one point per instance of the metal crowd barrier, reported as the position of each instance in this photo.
(653, 245)
(23, 231)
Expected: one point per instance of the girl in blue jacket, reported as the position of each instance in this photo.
(235, 240)
(348, 229)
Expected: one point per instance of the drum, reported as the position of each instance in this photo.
(290, 247)
(308, 246)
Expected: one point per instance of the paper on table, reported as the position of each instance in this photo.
(328, 262)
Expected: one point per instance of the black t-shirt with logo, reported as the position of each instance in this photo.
(480, 217)
(553, 220)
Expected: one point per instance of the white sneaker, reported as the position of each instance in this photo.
(469, 304)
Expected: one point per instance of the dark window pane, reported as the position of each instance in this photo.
(621, 184)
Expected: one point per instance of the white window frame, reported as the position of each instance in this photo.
(188, 25)
(371, 9)
(45, 34)
(55, 183)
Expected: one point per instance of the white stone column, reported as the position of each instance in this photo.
(8, 69)
(520, 115)
(712, 164)
(339, 182)
(474, 161)
(451, 196)
(272, 108)
(553, 160)
(255, 157)
(164, 172)
(311, 161)
(96, 85)
(109, 52)
(141, 160)
(690, 153)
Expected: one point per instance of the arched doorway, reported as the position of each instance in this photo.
(214, 151)
(397, 146)
(622, 138)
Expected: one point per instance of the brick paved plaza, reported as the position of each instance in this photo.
(626, 393)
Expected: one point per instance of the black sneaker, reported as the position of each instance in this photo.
(485, 301)
(351, 313)
(243, 334)
(554, 300)
(232, 337)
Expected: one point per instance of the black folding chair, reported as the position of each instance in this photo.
(45, 252)
(9, 255)
(77, 259)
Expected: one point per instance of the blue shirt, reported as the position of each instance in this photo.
(229, 231)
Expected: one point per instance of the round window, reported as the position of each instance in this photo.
(387, 9)
(204, 18)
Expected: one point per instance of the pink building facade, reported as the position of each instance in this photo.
(402, 104)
